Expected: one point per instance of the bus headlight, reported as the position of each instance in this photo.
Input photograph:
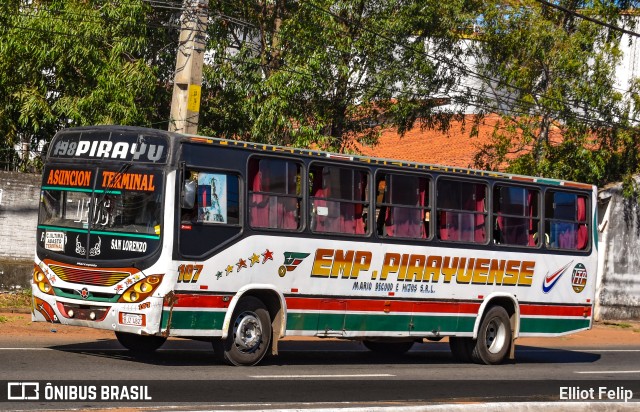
(140, 290)
(40, 280)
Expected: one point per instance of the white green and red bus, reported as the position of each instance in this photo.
(154, 234)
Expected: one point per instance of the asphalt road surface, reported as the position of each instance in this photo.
(184, 373)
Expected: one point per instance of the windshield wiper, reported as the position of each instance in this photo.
(123, 169)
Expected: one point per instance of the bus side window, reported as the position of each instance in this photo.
(515, 216)
(217, 198)
(566, 220)
(402, 205)
(462, 211)
(338, 200)
(274, 193)
(215, 215)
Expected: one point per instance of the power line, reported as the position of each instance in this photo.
(500, 100)
(462, 69)
(591, 19)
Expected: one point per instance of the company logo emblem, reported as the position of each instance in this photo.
(84, 293)
(550, 280)
(579, 278)
(291, 262)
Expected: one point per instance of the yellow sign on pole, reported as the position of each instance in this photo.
(193, 102)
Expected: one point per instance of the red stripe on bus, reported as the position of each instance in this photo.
(381, 305)
(578, 185)
(553, 310)
(200, 301)
(369, 305)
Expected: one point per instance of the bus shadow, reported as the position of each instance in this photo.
(179, 352)
(534, 354)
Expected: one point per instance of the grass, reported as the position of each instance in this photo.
(621, 325)
(20, 299)
(3, 319)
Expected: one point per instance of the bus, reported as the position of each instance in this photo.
(153, 234)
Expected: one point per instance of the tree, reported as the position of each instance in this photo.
(72, 62)
(551, 76)
(330, 73)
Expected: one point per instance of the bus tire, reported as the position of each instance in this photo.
(140, 343)
(388, 347)
(249, 336)
(494, 337)
(461, 348)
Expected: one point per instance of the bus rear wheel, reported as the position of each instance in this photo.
(494, 337)
(248, 340)
(388, 347)
(140, 343)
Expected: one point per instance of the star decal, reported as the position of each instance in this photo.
(52, 279)
(219, 274)
(118, 288)
(129, 282)
(241, 264)
(229, 270)
(255, 258)
(268, 255)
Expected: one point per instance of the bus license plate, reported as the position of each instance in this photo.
(133, 319)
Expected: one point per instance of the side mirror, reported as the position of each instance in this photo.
(188, 199)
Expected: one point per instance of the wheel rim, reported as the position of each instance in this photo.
(495, 335)
(247, 332)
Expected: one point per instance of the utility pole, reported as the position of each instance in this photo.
(185, 103)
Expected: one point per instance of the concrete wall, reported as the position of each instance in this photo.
(618, 289)
(19, 198)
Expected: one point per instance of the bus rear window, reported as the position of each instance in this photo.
(566, 224)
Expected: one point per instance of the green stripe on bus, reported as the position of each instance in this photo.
(551, 325)
(68, 229)
(193, 319)
(205, 320)
(77, 189)
(377, 322)
(547, 181)
(91, 298)
(99, 232)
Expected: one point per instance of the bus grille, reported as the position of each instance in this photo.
(92, 277)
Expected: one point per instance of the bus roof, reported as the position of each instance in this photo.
(338, 156)
(381, 161)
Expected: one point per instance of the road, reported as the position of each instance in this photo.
(185, 373)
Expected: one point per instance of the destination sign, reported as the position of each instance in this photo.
(129, 181)
(75, 178)
(100, 145)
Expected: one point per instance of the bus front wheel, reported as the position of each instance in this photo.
(494, 337)
(140, 343)
(250, 335)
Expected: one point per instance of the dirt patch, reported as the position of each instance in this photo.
(621, 333)
(20, 324)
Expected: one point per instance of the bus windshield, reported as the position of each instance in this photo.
(117, 217)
